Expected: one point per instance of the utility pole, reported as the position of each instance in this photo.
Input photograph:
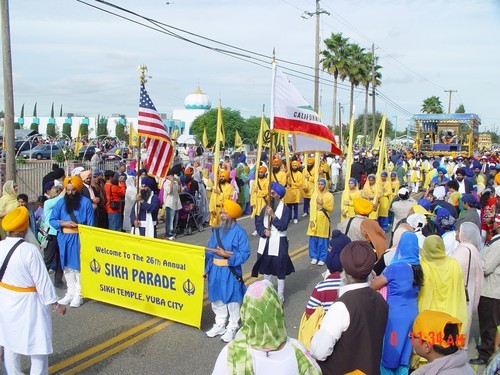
(374, 115)
(307, 15)
(340, 125)
(8, 93)
(449, 100)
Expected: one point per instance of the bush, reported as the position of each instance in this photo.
(66, 130)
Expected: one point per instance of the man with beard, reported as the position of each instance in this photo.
(292, 197)
(149, 204)
(258, 198)
(277, 174)
(224, 190)
(308, 185)
(67, 214)
(227, 250)
(272, 254)
(464, 186)
(89, 192)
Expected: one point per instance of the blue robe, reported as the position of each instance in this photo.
(69, 244)
(222, 284)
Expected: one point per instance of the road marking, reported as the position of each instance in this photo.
(132, 336)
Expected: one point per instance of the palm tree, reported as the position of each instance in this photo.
(432, 105)
(354, 69)
(333, 61)
(366, 81)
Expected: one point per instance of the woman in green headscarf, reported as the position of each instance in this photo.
(8, 202)
(261, 346)
(444, 287)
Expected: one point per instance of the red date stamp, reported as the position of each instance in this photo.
(433, 338)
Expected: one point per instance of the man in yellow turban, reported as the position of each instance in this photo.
(351, 226)
(222, 191)
(26, 294)
(293, 194)
(227, 249)
(308, 185)
(67, 214)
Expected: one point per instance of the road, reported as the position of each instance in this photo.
(98, 338)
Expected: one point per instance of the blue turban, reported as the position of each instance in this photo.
(471, 200)
(384, 174)
(371, 176)
(469, 172)
(149, 182)
(436, 164)
(441, 169)
(394, 174)
(353, 180)
(460, 171)
(338, 241)
(476, 164)
(399, 162)
(49, 185)
(323, 180)
(425, 203)
(242, 159)
(278, 188)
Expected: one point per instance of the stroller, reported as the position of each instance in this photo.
(189, 216)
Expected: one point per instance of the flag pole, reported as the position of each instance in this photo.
(271, 142)
(143, 68)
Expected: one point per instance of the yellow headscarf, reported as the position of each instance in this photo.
(8, 201)
(444, 287)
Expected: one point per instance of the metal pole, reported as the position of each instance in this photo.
(374, 115)
(8, 90)
(316, 61)
(340, 125)
(396, 128)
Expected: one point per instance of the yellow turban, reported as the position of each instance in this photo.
(85, 174)
(497, 178)
(16, 220)
(430, 325)
(262, 169)
(224, 173)
(362, 206)
(76, 181)
(418, 209)
(295, 163)
(232, 208)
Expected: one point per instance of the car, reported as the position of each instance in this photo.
(116, 153)
(41, 152)
(87, 151)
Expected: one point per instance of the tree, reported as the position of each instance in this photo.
(34, 126)
(84, 130)
(432, 105)
(51, 130)
(355, 56)
(66, 130)
(334, 62)
(52, 111)
(102, 126)
(232, 121)
(460, 109)
(366, 79)
(121, 129)
(360, 121)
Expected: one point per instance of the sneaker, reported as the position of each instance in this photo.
(216, 330)
(229, 335)
(254, 233)
(171, 238)
(295, 221)
(314, 261)
(321, 263)
(304, 214)
(66, 299)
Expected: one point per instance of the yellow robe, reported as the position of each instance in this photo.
(320, 220)
(395, 188)
(370, 192)
(349, 208)
(428, 177)
(280, 177)
(293, 194)
(217, 200)
(385, 198)
(307, 183)
(259, 195)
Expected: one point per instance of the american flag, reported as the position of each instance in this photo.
(158, 144)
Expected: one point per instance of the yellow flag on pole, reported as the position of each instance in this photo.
(175, 134)
(220, 127)
(214, 217)
(78, 142)
(238, 143)
(262, 139)
(380, 143)
(133, 137)
(205, 139)
(345, 193)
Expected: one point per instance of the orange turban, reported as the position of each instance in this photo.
(310, 161)
(277, 162)
(224, 173)
(296, 163)
(232, 208)
(262, 169)
(362, 206)
(497, 179)
(76, 181)
(16, 220)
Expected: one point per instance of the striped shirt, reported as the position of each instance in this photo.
(325, 293)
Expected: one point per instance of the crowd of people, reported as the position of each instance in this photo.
(414, 258)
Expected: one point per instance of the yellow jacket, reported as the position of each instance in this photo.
(321, 221)
(259, 195)
(216, 201)
(307, 183)
(293, 193)
(279, 177)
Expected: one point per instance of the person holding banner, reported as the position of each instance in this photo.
(385, 192)
(307, 184)
(145, 222)
(353, 193)
(67, 214)
(272, 254)
(278, 175)
(260, 190)
(227, 249)
(319, 223)
(223, 191)
(292, 197)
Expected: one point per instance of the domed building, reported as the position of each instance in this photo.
(195, 104)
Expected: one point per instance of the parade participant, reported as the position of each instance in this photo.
(415, 169)
(489, 303)
(418, 222)
(351, 335)
(308, 185)
(440, 179)
(453, 196)
(431, 173)
(172, 204)
(385, 200)
(335, 169)
(464, 185)
(374, 235)
(353, 193)
(446, 225)
(145, 221)
(400, 172)
(272, 254)
(66, 215)
(223, 191)
(357, 170)
(190, 185)
(130, 196)
(277, 174)
(370, 192)
(243, 180)
(227, 250)
(26, 293)
(51, 255)
(395, 185)
(401, 207)
(292, 197)
(90, 192)
(115, 190)
(470, 213)
(443, 355)
(319, 223)
(443, 288)
(258, 198)
(403, 278)
(261, 346)
(447, 167)
(8, 201)
(324, 170)
(351, 226)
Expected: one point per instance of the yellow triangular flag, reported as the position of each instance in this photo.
(175, 134)
(205, 139)
(220, 126)
(237, 140)
(133, 137)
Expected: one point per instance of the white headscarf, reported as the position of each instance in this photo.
(469, 233)
(417, 221)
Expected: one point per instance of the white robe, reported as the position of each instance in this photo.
(25, 321)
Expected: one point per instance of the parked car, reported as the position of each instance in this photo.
(41, 152)
(87, 151)
(116, 153)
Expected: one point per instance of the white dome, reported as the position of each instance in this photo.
(197, 100)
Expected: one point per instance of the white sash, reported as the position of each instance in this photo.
(274, 239)
(148, 224)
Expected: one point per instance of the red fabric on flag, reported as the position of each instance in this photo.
(159, 157)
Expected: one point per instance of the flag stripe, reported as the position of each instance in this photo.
(299, 126)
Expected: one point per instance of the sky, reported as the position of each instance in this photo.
(86, 60)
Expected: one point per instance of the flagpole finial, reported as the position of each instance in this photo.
(274, 56)
(143, 69)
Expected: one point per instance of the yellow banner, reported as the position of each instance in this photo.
(152, 276)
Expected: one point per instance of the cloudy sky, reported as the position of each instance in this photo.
(67, 52)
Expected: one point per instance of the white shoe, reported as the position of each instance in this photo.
(254, 233)
(314, 261)
(216, 330)
(304, 214)
(229, 335)
(295, 221)
(66, 299)
(76, 301)
(321, 263)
